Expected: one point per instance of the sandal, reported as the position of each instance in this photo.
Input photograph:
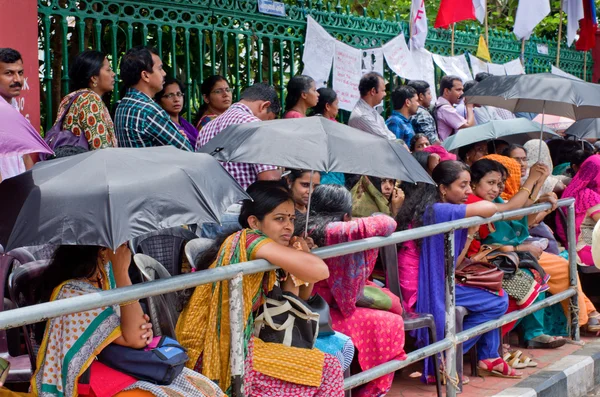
(507, 371)
(516, 360)
(545, 342)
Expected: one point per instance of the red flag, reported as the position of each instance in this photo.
(587, 27)
(452, 11)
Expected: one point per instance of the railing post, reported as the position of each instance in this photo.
(571, 240)
(450, 369)
(236, 323)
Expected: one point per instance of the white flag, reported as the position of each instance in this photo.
(574, 10)
(419, 24)
(318, 52)
(480, 9)
(529, 14)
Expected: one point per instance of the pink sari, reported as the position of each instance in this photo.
(378, 335)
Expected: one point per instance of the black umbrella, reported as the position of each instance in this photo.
(107, 197)
(587, 128)
(316, 143)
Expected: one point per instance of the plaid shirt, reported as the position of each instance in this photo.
(238, 113)
(141, 122)
(423, 123)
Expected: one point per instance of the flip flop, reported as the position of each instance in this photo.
(507, 371)
(545, 342)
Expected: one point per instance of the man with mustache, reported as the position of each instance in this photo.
(11, 82)
(139, 121)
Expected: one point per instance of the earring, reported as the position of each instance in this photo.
(95, 85)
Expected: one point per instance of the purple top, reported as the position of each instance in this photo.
(189, 130)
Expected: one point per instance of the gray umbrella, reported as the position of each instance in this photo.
(107, 197)
(540, 93)
(587, 128)
(316, 143)
(517, 130)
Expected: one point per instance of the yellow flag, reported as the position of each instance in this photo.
(482, 50)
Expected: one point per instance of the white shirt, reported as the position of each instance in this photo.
(364, 117)
(11, 165)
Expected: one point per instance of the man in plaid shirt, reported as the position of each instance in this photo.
(139, 121)
(257, 103)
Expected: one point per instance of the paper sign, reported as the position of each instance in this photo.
(371, 61)
(318, 52)
(271, 7)
(477, 65)
(562, 73)
(496, 69)
(514, 67)
(346, 74)
(423, 64)
(542, 49)
(456, 66)
(399, 58)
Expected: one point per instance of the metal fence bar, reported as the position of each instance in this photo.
(236, 322)
(44, 311)
(452, 381)
(572, 241)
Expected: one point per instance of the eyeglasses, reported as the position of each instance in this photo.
(220, 91)
(172, 95)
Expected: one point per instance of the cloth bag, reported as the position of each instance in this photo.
(285, 318)
(159, 363)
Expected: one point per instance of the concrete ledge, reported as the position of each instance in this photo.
(572, 376)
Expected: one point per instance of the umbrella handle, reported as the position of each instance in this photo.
(310, 189)
(542, 132)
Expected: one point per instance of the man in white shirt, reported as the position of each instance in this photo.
(11, 83)
(364, 116)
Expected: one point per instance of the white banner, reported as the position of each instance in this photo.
(318, 52)
(399, 58)
(372, 60)
(346, 74)
(456, 66)
(419, 24)
(496, 69)
(477, 65)
(423, 64)
(514, 67)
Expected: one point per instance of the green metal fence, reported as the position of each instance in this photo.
(198, 38)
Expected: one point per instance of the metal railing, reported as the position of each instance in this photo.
(44, 311)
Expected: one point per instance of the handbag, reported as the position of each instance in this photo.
(159, 363)
(374, 298)
(507, 262)
(285, 318)
(479, 274)
(320, 306)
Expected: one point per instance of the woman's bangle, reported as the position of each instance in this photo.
(129, 303)
(526, 189)
(470, 237)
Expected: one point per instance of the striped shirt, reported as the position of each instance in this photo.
(141, 122)
(238, 113)
(365, 118)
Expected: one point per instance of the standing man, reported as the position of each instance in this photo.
(423, 122)
(406, 104)
(258, 102)
(11, 83)
(364, 116)
(139, 121)
(448, 119)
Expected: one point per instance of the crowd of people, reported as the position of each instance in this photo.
(481, 179)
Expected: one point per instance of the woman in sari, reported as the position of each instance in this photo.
(448, 203)
(532, 149)
(555, 266)
(377, 332)
(71, 343)
(299, 183)
(585, 188)
(171, 99)
(203, 327)
(216, 98)
(371, 195)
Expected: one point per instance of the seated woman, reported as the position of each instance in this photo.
(555, 266)
(203, 327)
(487, 178)
(216, 97)
(171, 98)
(419, 142)
(531, 149)
(79, 270)
(299, 182)
(378, 334)
(585, 188)
(301, 95)
(373, 194)
(473, 152)
(445, 204)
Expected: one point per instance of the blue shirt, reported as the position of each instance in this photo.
(400, 126)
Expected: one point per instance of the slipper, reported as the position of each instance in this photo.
(507, 371)
(545, 342)
(594, 314)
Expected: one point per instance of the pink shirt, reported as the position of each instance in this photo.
(292, 114)
(448, 119)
